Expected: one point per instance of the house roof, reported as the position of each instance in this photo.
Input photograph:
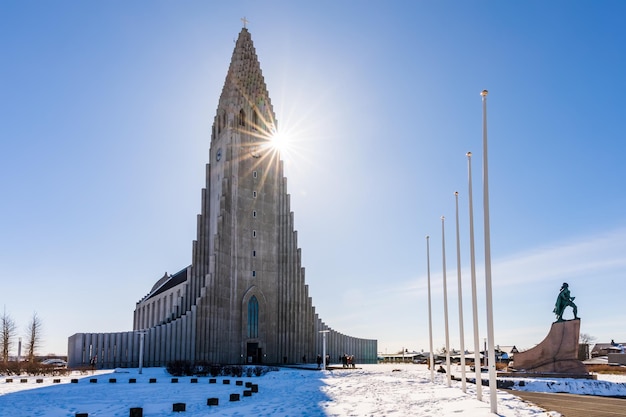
(167, 283)
(607, 347)
(508, 349)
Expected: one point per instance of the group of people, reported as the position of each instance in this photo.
(346, 360)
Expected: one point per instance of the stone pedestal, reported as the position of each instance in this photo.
(557, 353)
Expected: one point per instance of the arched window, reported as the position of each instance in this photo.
(242, 118)
(253, 317)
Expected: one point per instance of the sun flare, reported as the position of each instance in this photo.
(278, 142)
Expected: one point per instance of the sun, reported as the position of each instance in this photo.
(278, 142)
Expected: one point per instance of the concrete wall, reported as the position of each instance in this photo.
(176, 341)
(162, 344)
(617, 358)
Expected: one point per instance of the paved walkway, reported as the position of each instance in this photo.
(571, 405)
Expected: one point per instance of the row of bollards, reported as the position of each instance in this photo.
(181, 407)
(130, 381)
(38, 380)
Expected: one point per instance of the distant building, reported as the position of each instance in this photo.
(400, 357)
(603, 349)
(244, 298)
(504, 353)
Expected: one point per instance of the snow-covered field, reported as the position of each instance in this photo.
(372, 390)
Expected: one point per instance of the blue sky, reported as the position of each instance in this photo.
(106, 110)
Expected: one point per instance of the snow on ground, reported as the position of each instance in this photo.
(381, 390)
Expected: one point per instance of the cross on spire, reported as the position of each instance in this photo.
(245, 21)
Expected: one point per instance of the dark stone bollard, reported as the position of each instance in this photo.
(112, 380)
(136, 412)
(39, 380)
(132, 381)
(212, 401)
(247, 393)
(226, 381)
(23, 381)
(174, 380)
(178, 407)
(56, 381)
(93, 381)
(74, 381)
(254, 387)
(248, 384)
(9, 380)
(239, 383)
(152, 380)
(194, 380)
(234, 397)
(212, 381)
(82, 414)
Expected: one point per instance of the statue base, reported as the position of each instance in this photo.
(557, 354)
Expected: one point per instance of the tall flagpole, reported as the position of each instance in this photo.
(445, 302)
(458, 274)
(477, 362)
(489, 299)
(430, 317)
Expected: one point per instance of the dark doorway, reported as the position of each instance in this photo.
(254, 353)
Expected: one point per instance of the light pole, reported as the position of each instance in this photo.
(324, 333)
(477, 361)
(19, 351)
(430, 316)
(445, 301)
(458, 273)
(489, 299)
(141, 339)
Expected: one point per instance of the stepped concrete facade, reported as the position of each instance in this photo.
(244, 298)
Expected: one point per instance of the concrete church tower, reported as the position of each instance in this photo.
(244, 297)
(246, 276)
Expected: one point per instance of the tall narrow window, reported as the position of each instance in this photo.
(253, 213)
(254, 194)
(253, 317)
(254, 174)
(253, 253)
(255, 120)
(253, 273)
(254, 233)
(242, 118)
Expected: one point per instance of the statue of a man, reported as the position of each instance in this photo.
(564, 300)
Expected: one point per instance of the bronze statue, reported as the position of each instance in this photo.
(564, 300)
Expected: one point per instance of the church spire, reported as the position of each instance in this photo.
(245, 89)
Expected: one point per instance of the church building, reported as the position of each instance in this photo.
(243, 299)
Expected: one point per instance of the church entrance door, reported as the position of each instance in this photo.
(253, 353)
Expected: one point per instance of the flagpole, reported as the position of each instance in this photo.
(489, 299)
(445, 302)
(477, 362)
(430, 317)
(458, 274)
